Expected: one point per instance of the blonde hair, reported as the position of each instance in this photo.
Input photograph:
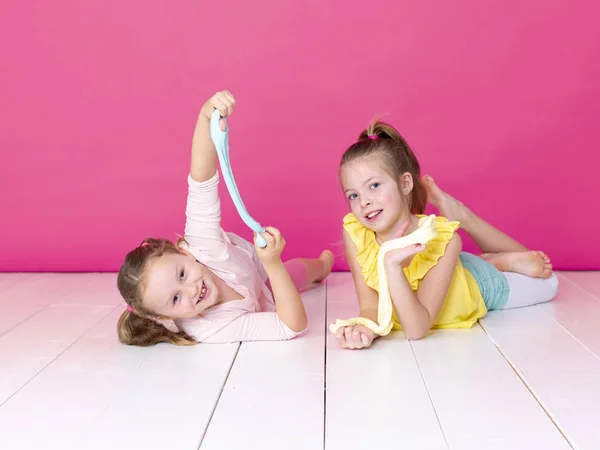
(140, 327)
(385, 141)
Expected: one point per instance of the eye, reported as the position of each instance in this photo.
(182, 274)
(374, 185)
(175, 299)
(352, 196)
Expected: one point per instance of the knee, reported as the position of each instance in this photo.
(552, 283)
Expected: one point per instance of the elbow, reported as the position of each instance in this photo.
(299, 326)
(413, 336)
(296, 323)
(418, 329)
(416, 333)
(292, 332)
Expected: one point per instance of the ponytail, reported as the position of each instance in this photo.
(144, 332)
(382, 138)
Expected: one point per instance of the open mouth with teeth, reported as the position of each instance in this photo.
(203, 291)
(374, 215)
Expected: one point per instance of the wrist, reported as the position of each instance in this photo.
(271, 266)
(370, 313)
(203, 116)
(392, 265)
(206, 111)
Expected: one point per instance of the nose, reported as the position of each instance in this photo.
(191, 290)
(364, 202)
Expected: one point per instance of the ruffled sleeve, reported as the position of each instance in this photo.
(435, 249)
(367, 249)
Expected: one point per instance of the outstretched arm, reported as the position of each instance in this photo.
(204, 155)
(203, 209)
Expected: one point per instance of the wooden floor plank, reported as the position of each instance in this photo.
(100, 394)
(480, 401)
(8, 280)
(578, 312)
(376, 398)
(21, 301)
(588, 281)
(561, 372)
(31, 345)
(274, 397)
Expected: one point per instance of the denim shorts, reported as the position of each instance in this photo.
(492, 283)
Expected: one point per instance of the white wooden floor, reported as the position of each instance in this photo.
(522, 379)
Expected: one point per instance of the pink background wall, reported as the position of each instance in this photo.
(98, 101)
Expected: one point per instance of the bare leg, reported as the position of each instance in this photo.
(488, 238)
(319, 268)
(506, 254)
(533, 263)
(305, 271)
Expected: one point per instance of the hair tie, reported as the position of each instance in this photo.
(373, 136)
(129, 308)
(144, 244)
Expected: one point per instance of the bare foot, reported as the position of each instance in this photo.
(534, 264)
(327, 260)
(449, 207)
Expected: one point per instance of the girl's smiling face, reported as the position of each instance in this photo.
(374, 195)
(179, 287)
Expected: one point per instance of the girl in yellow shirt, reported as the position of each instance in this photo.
(435, 285)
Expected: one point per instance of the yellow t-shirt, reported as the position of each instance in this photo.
(463, 305)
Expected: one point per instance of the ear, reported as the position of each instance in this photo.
(406, 183)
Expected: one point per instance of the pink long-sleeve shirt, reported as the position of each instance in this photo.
(235, 261)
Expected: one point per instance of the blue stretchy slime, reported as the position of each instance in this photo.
(221, 141)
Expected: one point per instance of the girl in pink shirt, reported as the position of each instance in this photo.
(213, 286)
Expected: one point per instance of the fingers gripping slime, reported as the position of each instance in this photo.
(422, 235)
(221, 141)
